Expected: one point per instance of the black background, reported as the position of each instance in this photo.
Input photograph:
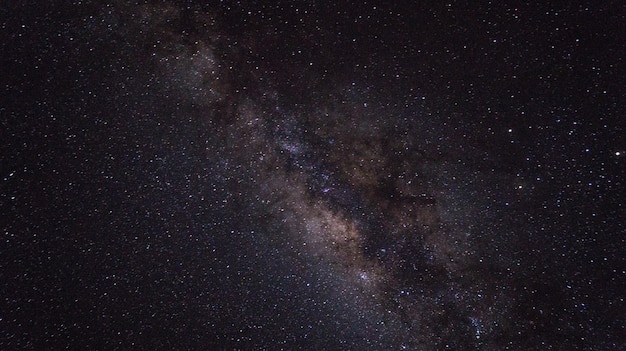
(137, 211)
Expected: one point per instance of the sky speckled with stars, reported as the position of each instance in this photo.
(309, 175)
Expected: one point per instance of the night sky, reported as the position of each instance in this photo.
(312, 175)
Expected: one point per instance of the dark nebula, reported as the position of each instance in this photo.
(311, 175)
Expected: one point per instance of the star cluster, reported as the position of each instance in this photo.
(306, 175)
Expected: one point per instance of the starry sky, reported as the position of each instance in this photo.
(312, 175)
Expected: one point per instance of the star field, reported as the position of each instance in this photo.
(304, 175)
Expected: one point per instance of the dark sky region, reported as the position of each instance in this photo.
(312, 175)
